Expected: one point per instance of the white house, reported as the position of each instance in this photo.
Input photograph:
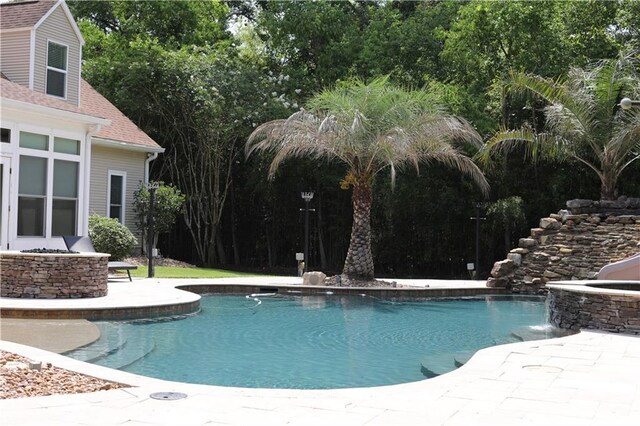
(66, 152)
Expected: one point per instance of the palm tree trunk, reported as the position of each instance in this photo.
(609, 182)
(359, 262)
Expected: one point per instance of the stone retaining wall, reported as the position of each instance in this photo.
(576, 310)
(53, 276)
(573, 244)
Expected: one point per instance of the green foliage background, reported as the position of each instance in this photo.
(235, 64)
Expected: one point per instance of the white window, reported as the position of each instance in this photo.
(48, 186)
(57, 69)
(32, 196)
(116, 195)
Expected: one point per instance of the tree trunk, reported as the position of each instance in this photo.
(234, 242)
(359, 262)
(222, 255)
(608, 190)
(323, 256)
(507, 238)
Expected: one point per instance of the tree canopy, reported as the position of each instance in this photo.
(200, 76)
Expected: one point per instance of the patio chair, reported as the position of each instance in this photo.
(84, 245)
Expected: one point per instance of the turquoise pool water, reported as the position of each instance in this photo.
(315, 342)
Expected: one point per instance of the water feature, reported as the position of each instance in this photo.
(316, 342)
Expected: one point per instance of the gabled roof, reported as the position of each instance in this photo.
(29, 14)
(17, 92)
(24, 14)
(121, 129)
(94, 108)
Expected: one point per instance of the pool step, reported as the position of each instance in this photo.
(118, 346)
(132, 352)
(110, 341)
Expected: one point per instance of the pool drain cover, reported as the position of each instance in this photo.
(168, 396)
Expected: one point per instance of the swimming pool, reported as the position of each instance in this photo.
(316, 342)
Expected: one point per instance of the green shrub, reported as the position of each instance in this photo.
(110, 236)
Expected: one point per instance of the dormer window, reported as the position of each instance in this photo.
(56, 69)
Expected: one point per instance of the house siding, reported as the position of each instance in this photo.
(104, 159)
(57, 28)
(14, 56)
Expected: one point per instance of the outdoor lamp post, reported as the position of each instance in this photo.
(477, 218)
(306, 196)
(152, 187)
(626, 103)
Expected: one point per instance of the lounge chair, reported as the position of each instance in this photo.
(84, 245)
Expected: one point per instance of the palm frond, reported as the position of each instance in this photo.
(556, 92)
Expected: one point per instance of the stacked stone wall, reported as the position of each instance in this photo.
(609, 312)
(49, 276)
(572, 244)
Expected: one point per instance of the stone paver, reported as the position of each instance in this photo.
(498, 386)
(590, 378)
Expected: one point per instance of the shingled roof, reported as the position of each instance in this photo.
(23, 14)
(17, 92)
(92, 104)
(121, 129)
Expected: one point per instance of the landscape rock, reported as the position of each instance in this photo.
(313, 278)
(576, 250)
(502, 268)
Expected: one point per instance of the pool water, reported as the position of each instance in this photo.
(316, 342)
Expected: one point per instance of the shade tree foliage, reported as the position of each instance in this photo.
(141, 56)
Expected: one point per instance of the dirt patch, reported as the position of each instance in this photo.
(17, 380)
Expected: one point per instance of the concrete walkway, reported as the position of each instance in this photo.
(586, 379)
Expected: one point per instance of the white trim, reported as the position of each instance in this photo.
(16, 30)
(54, 112)
(60, 70)
(79, 77)
(50, 156)
(110, 143)
(84, 224)
(123, 197)
(5, 224)
(32, 59)
(70, 18)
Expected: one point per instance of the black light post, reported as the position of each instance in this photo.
(477, 218)
(306, 196)
(151, 186)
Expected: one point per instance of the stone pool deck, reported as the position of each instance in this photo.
(590, 378)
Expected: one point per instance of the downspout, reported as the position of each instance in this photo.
(150, 157)
(86, 192)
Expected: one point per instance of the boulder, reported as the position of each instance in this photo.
(526, 242)
(313, 278)
(515, 258)
(497, 282)
(549, 223)
(502, 268)
(578, 203)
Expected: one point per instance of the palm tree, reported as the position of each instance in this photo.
(584, 121)
(369, 128)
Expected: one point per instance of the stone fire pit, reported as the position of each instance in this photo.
(53, 275)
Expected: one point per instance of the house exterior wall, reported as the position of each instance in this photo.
(18, 121)
(105, 159)
(14, 56)
(57, 28)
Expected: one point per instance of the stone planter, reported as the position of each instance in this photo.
(53, 276)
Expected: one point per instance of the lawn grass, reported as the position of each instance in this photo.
(178, 272)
